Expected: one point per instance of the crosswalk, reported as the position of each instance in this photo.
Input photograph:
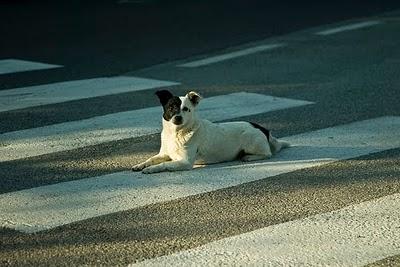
(354, 235)
(82, 199)
(123, 125)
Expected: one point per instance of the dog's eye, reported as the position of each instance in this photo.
(186, 109)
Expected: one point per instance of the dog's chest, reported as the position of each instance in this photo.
(175, 144)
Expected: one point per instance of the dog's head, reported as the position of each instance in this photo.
(179, 111)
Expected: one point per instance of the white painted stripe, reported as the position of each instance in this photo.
(118, 126)
(240, 53)
(46, 207)
(350, 27)
(16, 65)
(74, 90)
(353, 236)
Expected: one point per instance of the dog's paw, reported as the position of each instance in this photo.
(152, 169)
(138, 167)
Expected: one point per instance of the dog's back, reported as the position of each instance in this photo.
(219, 142)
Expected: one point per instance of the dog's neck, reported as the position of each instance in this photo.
(179, 131)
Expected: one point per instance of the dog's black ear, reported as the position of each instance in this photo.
(194, 97)
(164, 96)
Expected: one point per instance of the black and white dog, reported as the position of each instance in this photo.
(187, 140)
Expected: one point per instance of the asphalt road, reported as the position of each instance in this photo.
(104, 38)
(348, 77)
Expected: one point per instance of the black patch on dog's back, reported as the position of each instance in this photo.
(262, 129)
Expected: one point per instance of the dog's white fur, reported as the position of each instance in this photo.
(199, 141)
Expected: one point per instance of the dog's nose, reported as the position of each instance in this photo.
(178, 120)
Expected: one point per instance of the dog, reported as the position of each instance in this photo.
(187, 140)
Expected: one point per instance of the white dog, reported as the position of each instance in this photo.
(187, 140)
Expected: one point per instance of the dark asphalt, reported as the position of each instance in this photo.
(105, 38)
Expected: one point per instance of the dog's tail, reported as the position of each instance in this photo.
(275, 144)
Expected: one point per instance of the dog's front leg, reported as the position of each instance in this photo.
(157, 159)
(179, 165)
(184, 161)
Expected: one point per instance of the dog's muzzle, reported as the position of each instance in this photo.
(177, 120)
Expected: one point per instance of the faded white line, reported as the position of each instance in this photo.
(350, 27)
(353, 236)
(74, 90)
(227, 56)
(122, 125)
(46, 207)
(16, 65)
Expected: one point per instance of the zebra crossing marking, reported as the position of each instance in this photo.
(352, 236)
(38, 95)
(16, 65)
(50, 206)
(123, 125)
